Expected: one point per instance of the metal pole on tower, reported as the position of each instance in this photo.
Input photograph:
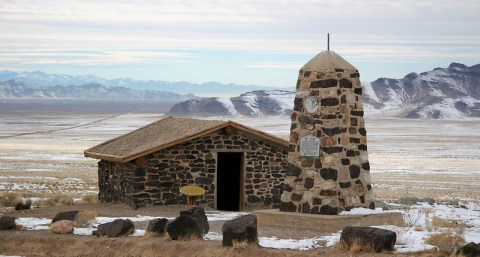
(328, 41)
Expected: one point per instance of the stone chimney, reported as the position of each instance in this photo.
(328, 169)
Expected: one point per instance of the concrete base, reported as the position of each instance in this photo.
(329, 223)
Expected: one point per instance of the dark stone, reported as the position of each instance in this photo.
(184, 227)
(203, 181)
(469, 250)
(298, 104)
(140, 171)
(371, 206)
(369, 187)
(354, 140)
(253, 199)
(366, 166)
(304, 119)
(333, 131)
(328, 210)
(293, 170)
(67, 215)
(357, 113)
(153, 184)
(7, 222)
(368, 237)
(362, 147)
(307, 162)
(331, 150)
(316, 201)
(354, 171)
(343, 99)
(307, 74)
(362, 131)
(241, 229)
(314, 210)
(350, 153)
(309, 183)
(157, 227)
(357, 91)
(318, 164)
(353, 122)
(345, 83)
(345, 162)
(345, 184)
(296, 197)
(287, 206)
(329, 102)
(327, 173)
(355, 75)
(198, 214)
(324, 83)
(116, 228)
(328, 193)
(305, 208)
(287, 188)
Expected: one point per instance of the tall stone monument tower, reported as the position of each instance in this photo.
(328, 168)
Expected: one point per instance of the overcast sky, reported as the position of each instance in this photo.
(262, 42)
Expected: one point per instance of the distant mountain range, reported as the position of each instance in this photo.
(444, 93)
(13, 89)
(204, 89)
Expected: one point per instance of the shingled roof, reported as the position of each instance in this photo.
(163, 134)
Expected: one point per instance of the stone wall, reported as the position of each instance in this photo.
(339, 177)
(194, 163)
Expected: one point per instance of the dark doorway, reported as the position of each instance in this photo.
(229, 166)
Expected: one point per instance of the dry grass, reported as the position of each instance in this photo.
(57, 200)
(90, 198)
(438, 224)
(447, 242)
(84, 218)
(10, 199)
(239, 245)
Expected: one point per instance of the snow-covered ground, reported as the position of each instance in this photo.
(409, 239)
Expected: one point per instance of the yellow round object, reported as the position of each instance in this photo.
(192, 190)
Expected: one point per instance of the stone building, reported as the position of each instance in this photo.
(328, 169)
(239, 167)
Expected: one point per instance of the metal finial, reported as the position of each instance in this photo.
(328, 41)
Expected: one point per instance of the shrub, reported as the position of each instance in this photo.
(10, 199)
(437, 223)
(412, 200)
(23, 205)
(91, 198)
(84, 218)
(447, 242)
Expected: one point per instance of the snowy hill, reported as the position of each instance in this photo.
(443, 93)
(252, 104)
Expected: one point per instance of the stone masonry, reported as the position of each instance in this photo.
(158, 181)
(337, 176)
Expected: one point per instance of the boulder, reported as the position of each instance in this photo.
(197, 213)
(157, 227)
(184, 227)
(369, 238)
(67, 215)
(469, 250)
(7, 222)
(241, 229)
(116, 228)
(62, 227)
